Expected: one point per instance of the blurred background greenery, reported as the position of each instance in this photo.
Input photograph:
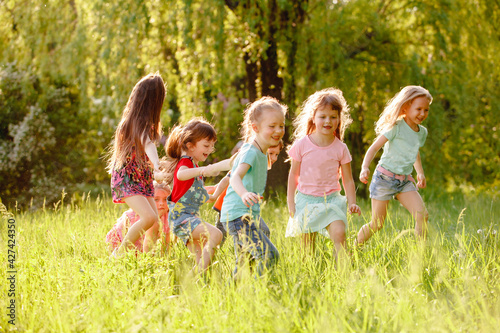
(67, 69)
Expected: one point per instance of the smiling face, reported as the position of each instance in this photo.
(326, 121)
(161, 201)
(273, 153)
(416, 112)
(201, 149)
(270, 128)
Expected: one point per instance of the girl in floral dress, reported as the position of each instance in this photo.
(134, 160)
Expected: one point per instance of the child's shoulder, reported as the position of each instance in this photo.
(304, 141)
(186, 161)
(422, 129)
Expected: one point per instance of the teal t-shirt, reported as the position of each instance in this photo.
(254, 181)
(400, 152)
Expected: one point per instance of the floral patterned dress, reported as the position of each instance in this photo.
(133, 178)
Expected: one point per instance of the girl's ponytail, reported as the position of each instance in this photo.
(173, 148)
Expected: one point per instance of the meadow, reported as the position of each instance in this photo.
(67, 283)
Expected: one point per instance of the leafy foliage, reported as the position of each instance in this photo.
(216, 56)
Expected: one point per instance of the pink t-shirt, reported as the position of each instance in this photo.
(319, 166)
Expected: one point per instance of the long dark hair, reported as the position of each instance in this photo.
(140, 120)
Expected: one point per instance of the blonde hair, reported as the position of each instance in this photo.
(256, 111)
(304, 122)
(393, 110)
(162, 186)
(195, 130)
(140, 120)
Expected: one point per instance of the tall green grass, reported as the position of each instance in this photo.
(67, 283)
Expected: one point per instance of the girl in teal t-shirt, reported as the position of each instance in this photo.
(263, 127)
(400, 133)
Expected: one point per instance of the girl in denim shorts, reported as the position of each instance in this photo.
(400, 133)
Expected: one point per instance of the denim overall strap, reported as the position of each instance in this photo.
(191, 201)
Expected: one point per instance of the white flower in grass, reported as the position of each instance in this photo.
(479, 231)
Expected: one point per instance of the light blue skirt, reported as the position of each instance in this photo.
(314, 214)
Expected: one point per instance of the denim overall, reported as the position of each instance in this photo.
(184, 215)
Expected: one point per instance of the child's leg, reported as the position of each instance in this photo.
(379, 211)
(222, 228)
(308, 241)
(415, 205)
(195, 247)
(146, 209)
(250, 239)
(336, 230)
(265, 229)
(209, 237)
(151, 237)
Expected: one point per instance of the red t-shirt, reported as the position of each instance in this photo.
(181, 186)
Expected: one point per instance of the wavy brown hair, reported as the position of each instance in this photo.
(140, 120)
(320, 99)
(195, 130)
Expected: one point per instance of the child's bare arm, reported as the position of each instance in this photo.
(236, 181)
(185, 173)
(421, 181)
(370, 154)
(349, 188)
(213, 170)
(293, 177)
(223, 184)
(152, 153)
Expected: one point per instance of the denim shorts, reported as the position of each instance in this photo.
(383, 187)
(250, 237)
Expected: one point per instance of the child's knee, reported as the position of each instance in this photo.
(216, 236)
(149, 221)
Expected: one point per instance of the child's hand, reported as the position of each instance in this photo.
(210, 171)
(354, 209)
(364, 174)
(159, 176)
(291, 208)
(250, 198)
(210, 189)
(421, 183)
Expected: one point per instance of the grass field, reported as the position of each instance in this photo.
(65, 281)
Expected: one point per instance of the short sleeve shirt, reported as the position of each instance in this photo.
(319, 166)
(180, 187)
(401, 149)
(254, 181)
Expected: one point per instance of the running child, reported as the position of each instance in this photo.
(115, 236)
(400, 133)
(134, 160)
(186, 147)
(272, 155)
(263, 127)
(319, 157)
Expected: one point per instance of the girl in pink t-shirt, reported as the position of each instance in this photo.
(318, 158)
